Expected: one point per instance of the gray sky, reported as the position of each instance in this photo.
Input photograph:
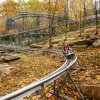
(5, 0)
(27, 0)
(15, 0)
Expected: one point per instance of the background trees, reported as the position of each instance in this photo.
(78, 9)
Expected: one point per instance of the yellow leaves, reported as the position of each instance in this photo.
(2, 26)
(9, 8)
(35, 6)
(11, 31)
(98, 77)
(77, 8)
(28, 69)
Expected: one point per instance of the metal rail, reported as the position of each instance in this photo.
(87, 19)
(38, 29)
(43, 82)
(35, 15)
(48, 16)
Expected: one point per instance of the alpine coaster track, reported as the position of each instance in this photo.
(43, 82)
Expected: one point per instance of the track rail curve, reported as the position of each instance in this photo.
(43, 82)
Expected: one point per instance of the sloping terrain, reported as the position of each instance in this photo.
(28, 69)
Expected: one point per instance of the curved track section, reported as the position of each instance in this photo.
(11, 22)
(43, 82)
(35, 15)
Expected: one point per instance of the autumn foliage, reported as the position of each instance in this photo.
(75, 9)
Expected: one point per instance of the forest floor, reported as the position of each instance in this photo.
(23, 74)
(88, 58)
(28, 69)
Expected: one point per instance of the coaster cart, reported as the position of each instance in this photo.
(68, 54)
(67, 51)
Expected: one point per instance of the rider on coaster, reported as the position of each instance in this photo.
(67, 50)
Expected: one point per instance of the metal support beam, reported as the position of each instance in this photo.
(76, 87)
(55, 90)
(38, 22)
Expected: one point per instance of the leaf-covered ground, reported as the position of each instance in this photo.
(27, 70)
(89, 58)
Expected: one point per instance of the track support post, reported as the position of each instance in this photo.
(55, 90)
(76, 87)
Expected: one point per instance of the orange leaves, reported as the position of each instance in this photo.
(2, 26)
(28, 69)
(77, 8)
(10, 8)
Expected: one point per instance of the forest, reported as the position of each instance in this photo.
(50, 50)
